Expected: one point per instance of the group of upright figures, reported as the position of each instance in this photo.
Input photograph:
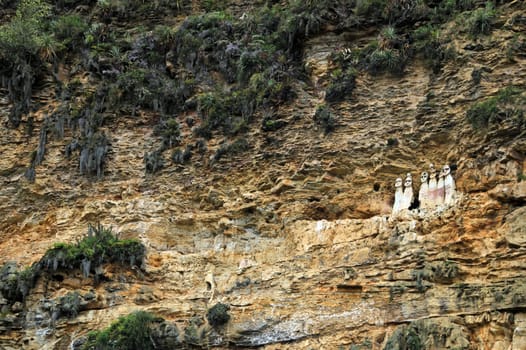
(437, 188)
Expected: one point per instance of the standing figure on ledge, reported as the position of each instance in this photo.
(449, 185)
(407, 198)
(423, 194)
(432, 186)
(440, 188)
(399, 193)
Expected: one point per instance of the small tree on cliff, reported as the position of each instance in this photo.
(24, 46)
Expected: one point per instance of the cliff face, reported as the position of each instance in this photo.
(296, 234)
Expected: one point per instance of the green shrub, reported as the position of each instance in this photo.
(391, 51)
(341, 85)
(387, 54)
(444, 10)
(325, 118)
(170, 132)
(431, 45)
(24, 45)
(153, 161)
(199, 53)
(481, 114)
(237, 147)
(128, 332)
(481, 20)
(370, 8)
(68, 305)
(250, 54)
(15, 284)
(464, 5)
(194, 332)
(392, 141)
(404, 338)
(98, 247)
(70, 30)
(386, 60)
(271, 122)
(389, 37)
(98, 33)
(164, 35)
(213, 110)
(138, 330)
(132, 9)
(181, 157)
(249, 63)
(428, 334)
(507, 105)
(218, 315)
(25, 34)
(231, 112)
(404, 11)
(148, 88)
(395, 12)
(213, 5)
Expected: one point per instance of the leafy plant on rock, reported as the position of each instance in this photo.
(24, 45)
(170, 132)
(70, 29)
(128, 332)
(433, 48)
(238, 146)
(481, 20)
(370, 8)
(381, 60)
(67, 306)
(506, 106)
(138, 330)
(98, 247)
(15, 284)
(325, 118)
(340, 85)
(428, 334)
(153, 161)
(181, 157)
(218, 315)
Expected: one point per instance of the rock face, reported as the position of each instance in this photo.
(296, 235)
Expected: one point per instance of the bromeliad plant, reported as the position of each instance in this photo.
(98, 247)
